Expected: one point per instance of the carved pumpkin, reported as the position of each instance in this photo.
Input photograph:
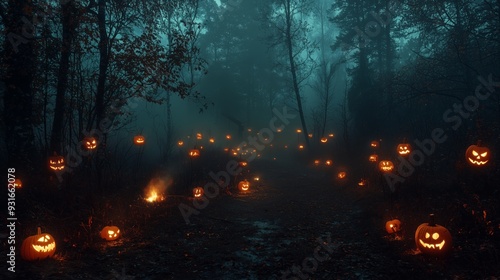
(310, 135)
(301, 147)
(211, 140)
(341, 175)
(194, 153)
(386, 166)
(374, 144)
(89, 143)
(328, 162)
(198, 192)
(433, 239)
(18, 183)
(244, 185)
(228, 137)
(299, 130)
(57, 163)
(362, 182)
(373, 158)
(243, 163)
(403, 149)
(331, 135)
(110, 233)
(477, 155)
(180, 143)
(316, 162)
(199, 136)
(324, 140)
(393, 226)
(139, 140)
(38, 247)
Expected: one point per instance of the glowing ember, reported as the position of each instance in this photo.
(256, 178)
(301, 147)
(299, 130)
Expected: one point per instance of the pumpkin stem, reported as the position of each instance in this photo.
(431, 220)
(39, 231)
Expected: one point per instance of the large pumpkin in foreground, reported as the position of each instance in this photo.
(433, 239)
(38, 247)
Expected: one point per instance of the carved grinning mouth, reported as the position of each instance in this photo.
(404, 152)
(47, 248)
(432, 246)
(477, 162)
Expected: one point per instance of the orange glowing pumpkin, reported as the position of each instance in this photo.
(433, 239)
(139, 140)
(197, 192)
(89, 143)
(194, 153)
(374, 144)
(57, 163)
(38, 247)
(373, 158)
(386, 166)
(393, 226)
(477, 155)
(244, 185)
(341, 175)
(403, 149)
(110, 233)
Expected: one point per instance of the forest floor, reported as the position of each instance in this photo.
(296, 222)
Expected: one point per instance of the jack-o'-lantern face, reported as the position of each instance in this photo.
(324, 140)
(243, 163)
(341, 175)
(56, 163)
(316, 162)
(373, 158)
(374, 144)
(211, 140)
(199, 136)
(244, 185)
(362, 182)
(139, 140)
(404, 149)
(228, 137)
(433, 239)
(37, 247)
(386, 166)
(89, 143)
(477, 155)
(198, 192)
(301, 147)
(393, 226)
(18, 183)
(180, 143)
(328, 162)
(110, 233)
(194, 153)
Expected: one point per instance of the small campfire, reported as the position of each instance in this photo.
(155, 190)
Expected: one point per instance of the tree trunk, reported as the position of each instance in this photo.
(68, 32)
(18, 96)
(103, 61)
(293, 70)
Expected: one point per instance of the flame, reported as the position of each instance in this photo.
(155, 190)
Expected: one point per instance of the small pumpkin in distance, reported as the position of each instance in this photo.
(57, 163)
(110, 233)
(403, 149)
(139, 140)
(89, 143)
(197, 192)
(373, 158)
(433, 239)
(38, 247)
(386, 166)
(393, 226)
(18, 183)
(194, 153)
(244, 185)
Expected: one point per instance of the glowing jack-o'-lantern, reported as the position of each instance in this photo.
(243, 163)
(324, 140)
(199, 136)
(57, 163)
(331, 135)
(310, 135)
(38, 247)
(180, 143)
(403, 149)
(362, 182)
(316, 162)
(299, 130)
(328, 162)
(110, 233)
(433, 239)
(386, 166)
(228, 136)
(341, 175)
(89, 143)
(373, 158)
(211, 140)
(197, 192)
(194, 153)
(139, 140)
(244, 185)
(374, 144)
(18, 183)
(393, 226)
(477, 155)
(301, 147)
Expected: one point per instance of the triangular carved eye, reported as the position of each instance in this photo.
(484, 154)
(474, 153)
